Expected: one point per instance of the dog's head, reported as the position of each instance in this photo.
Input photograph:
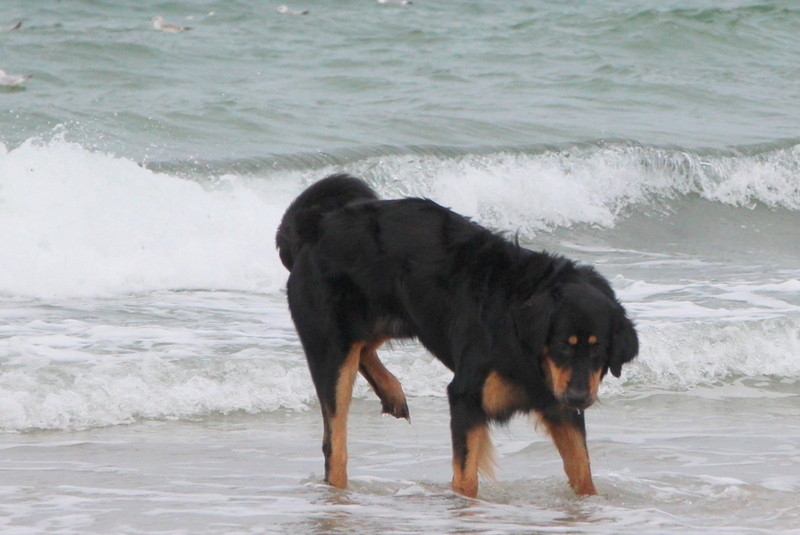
(578, 332)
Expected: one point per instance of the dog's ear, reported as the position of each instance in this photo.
(532, 321)
(624, 343)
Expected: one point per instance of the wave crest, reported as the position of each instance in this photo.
(91, 223)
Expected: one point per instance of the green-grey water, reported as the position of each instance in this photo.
(247, 82)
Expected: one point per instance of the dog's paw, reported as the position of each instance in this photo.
(398, 409)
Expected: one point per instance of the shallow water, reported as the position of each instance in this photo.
(656, 470)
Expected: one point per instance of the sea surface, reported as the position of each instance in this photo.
(151, 381)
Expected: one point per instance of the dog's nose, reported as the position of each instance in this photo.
(577, 398)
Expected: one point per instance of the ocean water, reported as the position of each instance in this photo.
(150, 377)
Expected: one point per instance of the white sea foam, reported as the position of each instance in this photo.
(77, 222)
(81, 222)
(106, 393)
(681, 357)
(592, 185)
(186, 355)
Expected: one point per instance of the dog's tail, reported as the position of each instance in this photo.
(299, 225)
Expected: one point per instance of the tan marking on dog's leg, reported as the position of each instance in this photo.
(559, 377)
(571, 444)
(337, 463)
(382, 381)
(500, 396)
(480, 459)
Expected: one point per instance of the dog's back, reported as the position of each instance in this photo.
(300, 222)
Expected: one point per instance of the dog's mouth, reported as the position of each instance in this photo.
(576, 400)
(570, 390)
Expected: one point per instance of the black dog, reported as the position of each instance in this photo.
(522, 331)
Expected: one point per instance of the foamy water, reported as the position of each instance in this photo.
(89, 224)
(134, 294)
(96, 224)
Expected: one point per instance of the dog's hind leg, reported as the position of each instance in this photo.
(326, 315)
(567, 428)
(382, 381)
(333, 359)
(334, 415)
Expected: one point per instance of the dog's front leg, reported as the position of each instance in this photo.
(472, 445)
(568, 430)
